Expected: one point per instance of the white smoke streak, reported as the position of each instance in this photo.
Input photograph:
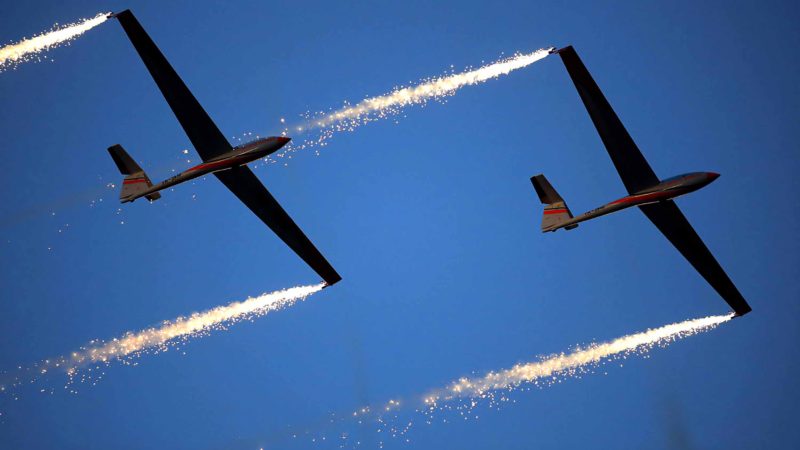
(13, 54)
(575, 362)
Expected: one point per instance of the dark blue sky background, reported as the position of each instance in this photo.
(432, 222)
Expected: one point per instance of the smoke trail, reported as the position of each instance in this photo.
(28, 49)
(573, 363)
(391, 104)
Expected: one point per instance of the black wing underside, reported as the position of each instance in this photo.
(201, 130)
(634, 170)
(669, 219)
(246, 186)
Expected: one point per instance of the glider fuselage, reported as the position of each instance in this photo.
(239, 156)
(665, 190)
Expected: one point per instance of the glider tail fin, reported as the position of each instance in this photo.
(556, 211)
(136, 180)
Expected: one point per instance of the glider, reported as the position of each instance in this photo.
(652, 195)
(228, 164)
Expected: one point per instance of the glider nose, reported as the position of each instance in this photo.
(284, 140)
(712, 176)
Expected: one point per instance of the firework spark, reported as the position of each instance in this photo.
(31, 48)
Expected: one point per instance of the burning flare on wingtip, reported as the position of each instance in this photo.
(31, 48)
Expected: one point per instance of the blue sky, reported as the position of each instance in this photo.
(431, 221)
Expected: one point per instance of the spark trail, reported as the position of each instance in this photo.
(350, 117)
(198, 324)
(574, 363)
(169, 334)
(465, 395)
(31, 48)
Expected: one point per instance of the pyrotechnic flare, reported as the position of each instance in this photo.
(576, 362)
(29, 49)
(437, 87)
(171, 332)
(375, 108)
(465, 395)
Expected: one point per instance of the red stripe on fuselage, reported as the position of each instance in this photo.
(555, 211)
(231, 161)
(211, 165)
(137, 180)
(646, 197)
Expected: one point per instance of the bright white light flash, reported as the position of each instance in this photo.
(29, 49)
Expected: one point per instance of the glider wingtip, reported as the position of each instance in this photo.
(113, 15)
(554, 50)
(331, 280)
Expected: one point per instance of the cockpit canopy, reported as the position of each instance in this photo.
(682, 176)
(255, 142)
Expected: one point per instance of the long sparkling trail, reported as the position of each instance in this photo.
(28, 49)
(571, 363)
(200, 323)
(85, 365)
(462, 398)
(437, 87)
(350, 117)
